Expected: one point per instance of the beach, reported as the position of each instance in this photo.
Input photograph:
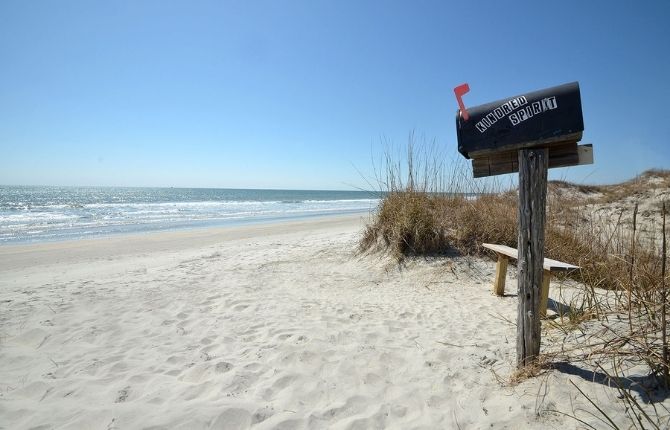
(334, 215)
(270, 326)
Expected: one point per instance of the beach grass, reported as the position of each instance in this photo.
(616, 233)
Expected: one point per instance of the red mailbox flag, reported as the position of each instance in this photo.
(460, 91)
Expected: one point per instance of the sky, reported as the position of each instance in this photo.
(302, 94)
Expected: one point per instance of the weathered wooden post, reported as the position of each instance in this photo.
(528, 133)
(531, 219)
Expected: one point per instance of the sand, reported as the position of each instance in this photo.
(279, 326)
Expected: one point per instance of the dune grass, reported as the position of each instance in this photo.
(431, 208)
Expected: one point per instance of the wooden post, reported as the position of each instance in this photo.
(501, 274)
(544, 298)
(532, 212)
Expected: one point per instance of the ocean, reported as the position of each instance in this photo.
(38, 214)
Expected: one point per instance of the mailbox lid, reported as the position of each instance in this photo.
(539, 117)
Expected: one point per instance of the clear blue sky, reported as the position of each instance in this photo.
(296, 94)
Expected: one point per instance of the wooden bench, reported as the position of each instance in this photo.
(505, 253)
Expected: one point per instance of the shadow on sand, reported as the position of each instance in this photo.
(648, 387)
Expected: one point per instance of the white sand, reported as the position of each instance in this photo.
(279, 326)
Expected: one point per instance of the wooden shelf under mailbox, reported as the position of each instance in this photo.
(561, 155)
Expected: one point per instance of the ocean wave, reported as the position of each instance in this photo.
(53, 218)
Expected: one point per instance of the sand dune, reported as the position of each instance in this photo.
(269, 327)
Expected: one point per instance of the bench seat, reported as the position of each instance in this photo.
(505, 253)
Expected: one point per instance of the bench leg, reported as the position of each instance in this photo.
(501, 274)
(544, 293)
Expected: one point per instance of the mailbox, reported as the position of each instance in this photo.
(550, 118)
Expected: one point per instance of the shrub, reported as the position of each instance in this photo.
(406, 223)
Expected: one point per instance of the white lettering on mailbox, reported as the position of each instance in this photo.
(533, 109)
(500, 112)
(516, 116)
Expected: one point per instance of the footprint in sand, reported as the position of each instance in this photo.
(233, 418)
(261, 415)
(123, 395)
(253, 367)
(223, 367)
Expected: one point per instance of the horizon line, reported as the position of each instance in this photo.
(186, 187)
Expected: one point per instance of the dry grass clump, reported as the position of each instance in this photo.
(407, 223)
(578, 188)
(650, 179)
(642, 184)
(411, 223)
(614, 234)
(490, 218)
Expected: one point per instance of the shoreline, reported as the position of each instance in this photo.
(135, 229)
(45, 214)
(22, 255)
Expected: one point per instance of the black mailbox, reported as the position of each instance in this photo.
(551, 118)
